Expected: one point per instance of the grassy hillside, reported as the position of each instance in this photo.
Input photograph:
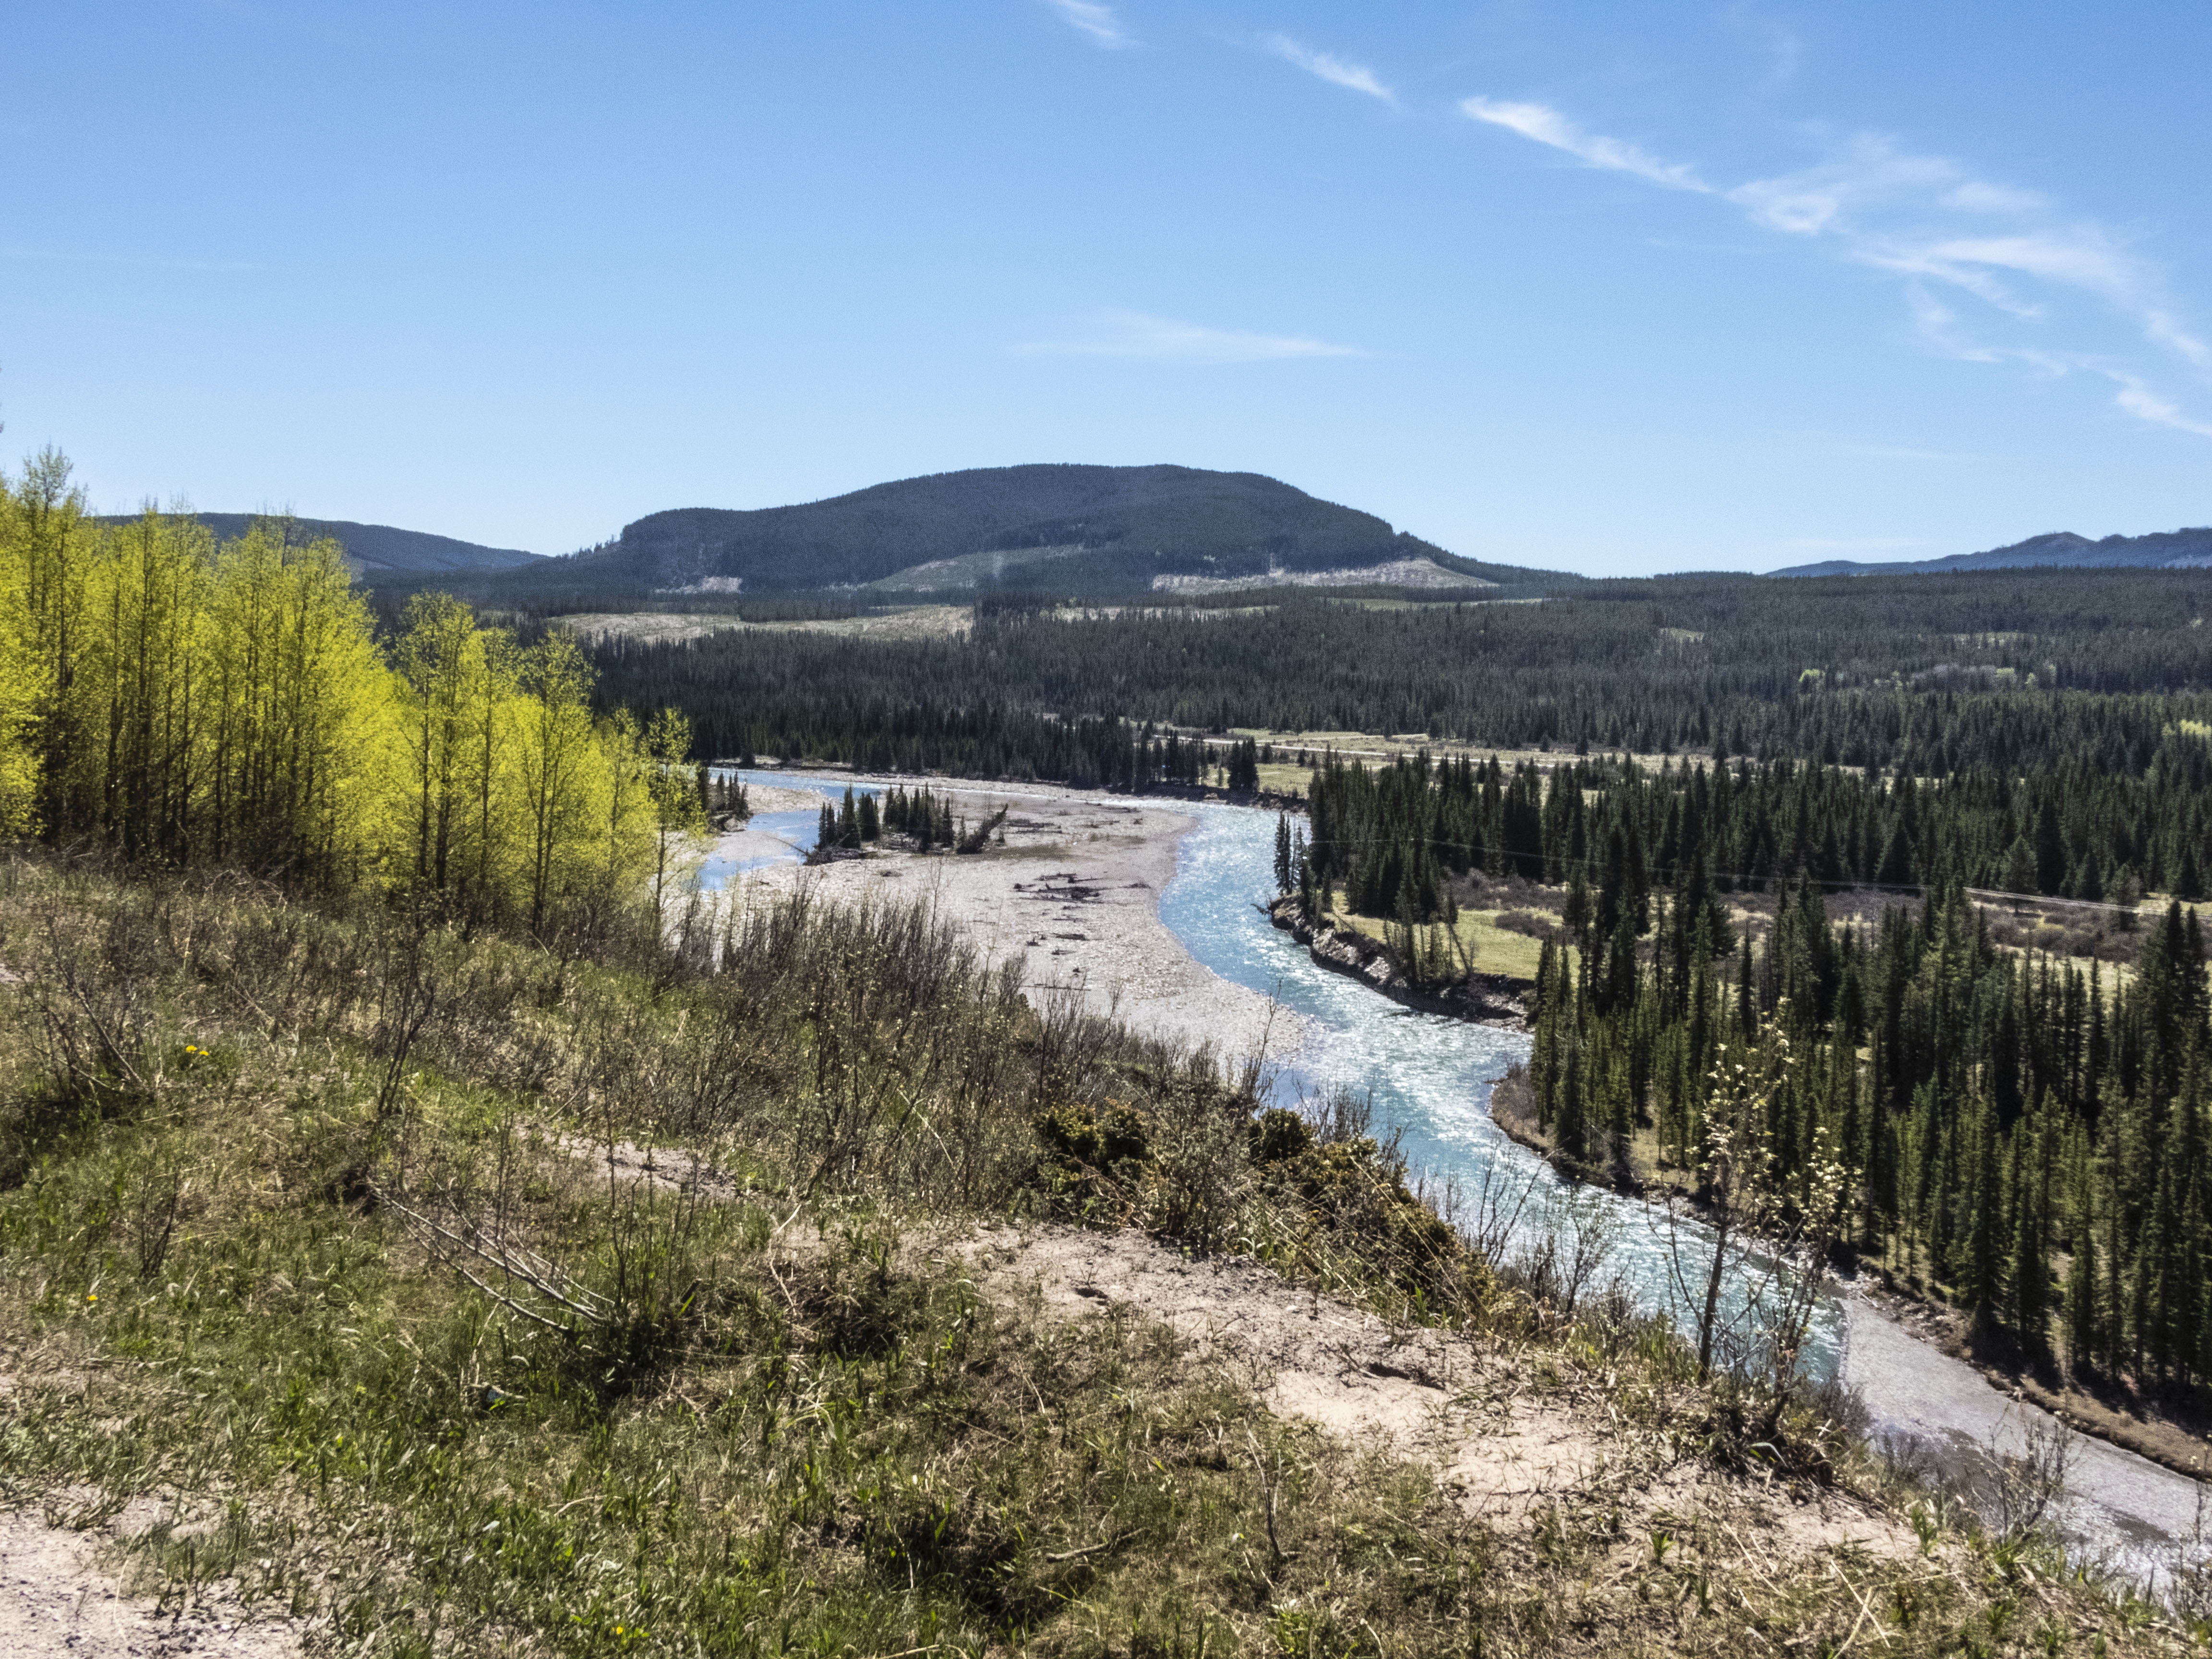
(307, 1232)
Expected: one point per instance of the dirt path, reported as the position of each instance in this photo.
(60, 1595)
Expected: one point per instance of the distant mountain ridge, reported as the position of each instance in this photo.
(2167, 550)
(1070, 528)
(375, 549)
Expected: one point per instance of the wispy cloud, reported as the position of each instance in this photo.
(1547, 126)
(1356, 77)
(1093, 18)
(2145, 404)
(2161, 329)
(1134, 334)
(1929, 220)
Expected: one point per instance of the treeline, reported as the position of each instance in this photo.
(1394, 835)
(1999, 1115)
(178, 703)
(2028, 1134)
(1930, 674)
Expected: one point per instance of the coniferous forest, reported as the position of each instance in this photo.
(1927, 674)
(2026, 1129)
(1837, 785)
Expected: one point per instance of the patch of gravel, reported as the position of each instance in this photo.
(780, 798)
(2117, 1508)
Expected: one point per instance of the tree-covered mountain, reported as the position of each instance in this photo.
(1062, 529)
(374, 549)
(2168, 550)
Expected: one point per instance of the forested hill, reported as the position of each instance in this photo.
(374, 549)
(2170, 550)
(1073, 529)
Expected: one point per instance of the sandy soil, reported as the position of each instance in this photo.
(1502, 1443)
(60, 1594)
(1073, 896)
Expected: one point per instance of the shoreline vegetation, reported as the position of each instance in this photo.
(1484, 998)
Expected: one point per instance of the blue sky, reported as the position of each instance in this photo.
(1616, 289)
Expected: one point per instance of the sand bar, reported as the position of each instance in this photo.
(1073, 895)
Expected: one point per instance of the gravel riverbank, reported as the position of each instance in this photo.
(2119, 1508)
(1073, 896)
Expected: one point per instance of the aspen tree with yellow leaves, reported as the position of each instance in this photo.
(181, 703)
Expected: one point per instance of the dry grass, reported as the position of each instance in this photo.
(252, 1156)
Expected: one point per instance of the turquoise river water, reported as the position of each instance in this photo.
(1428, 1076)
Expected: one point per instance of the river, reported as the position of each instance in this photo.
(1429, 1077)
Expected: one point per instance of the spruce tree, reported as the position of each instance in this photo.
(2084, 1295)
(1983, 1285)
(2050, 848)
(2028, 1272)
